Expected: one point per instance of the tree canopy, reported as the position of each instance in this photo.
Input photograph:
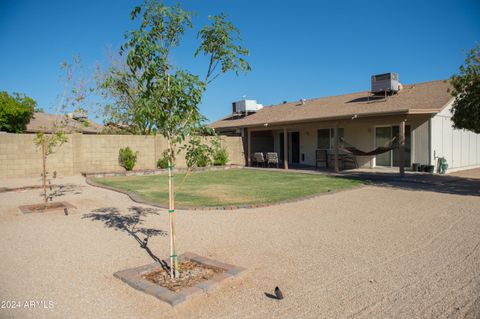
(16, 110)
(466, 90)
(145, 91)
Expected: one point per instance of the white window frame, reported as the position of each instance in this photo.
(330, 137)
(374, 159)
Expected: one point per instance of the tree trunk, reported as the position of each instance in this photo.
(44, 177)
(171, 212)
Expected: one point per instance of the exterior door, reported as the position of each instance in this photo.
(382, 136)
(282, 148)
(295, 147)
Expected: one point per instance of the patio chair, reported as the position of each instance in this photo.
(321, 156)
(272, 159)
(259, 159)
(349, 159)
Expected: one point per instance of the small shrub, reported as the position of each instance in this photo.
(127, 158)
(163, 162)
(219, 153)
(203, 159)
(220, 157)
(197, 154)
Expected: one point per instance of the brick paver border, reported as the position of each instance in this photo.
(161, 171)
(60, 206)
(133, 277)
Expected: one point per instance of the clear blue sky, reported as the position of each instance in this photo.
(299, 49)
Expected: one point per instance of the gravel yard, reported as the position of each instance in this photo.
(370, 252)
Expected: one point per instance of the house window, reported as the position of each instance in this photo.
(332, 136)
(326, 138)
(323, 139)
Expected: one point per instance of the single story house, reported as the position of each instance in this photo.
(45, 122)
(419, 115)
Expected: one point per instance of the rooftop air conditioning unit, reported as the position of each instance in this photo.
(80, 115)
(386, 82)
(246, 106)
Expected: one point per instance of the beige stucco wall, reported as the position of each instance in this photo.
(358, 134)
(361, 134)
(91, 153)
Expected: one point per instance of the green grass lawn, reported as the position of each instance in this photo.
(229, 187)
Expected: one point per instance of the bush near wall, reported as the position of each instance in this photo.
(127, 158)
(163, 161)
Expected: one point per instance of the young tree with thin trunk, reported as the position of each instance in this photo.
(73, 97)
(47, 143)
(155, 95)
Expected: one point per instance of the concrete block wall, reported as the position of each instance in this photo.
(100, 152)
(19, 156)
(235, 149)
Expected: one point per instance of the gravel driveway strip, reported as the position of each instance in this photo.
(372, 252)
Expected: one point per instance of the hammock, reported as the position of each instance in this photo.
(390, 145)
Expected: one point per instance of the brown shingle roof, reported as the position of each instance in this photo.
(427, 97)
(44, 122)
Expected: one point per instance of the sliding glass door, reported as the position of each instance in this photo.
(383, 136)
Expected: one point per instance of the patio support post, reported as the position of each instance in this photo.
(285, 148)
(335, 133)
(401, 146)
(249, 147)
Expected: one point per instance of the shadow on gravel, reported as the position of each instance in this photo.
(432, 183)
(131, 224)
(269, 295)
(56, 191)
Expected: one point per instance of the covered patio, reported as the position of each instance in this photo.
(328, 145)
